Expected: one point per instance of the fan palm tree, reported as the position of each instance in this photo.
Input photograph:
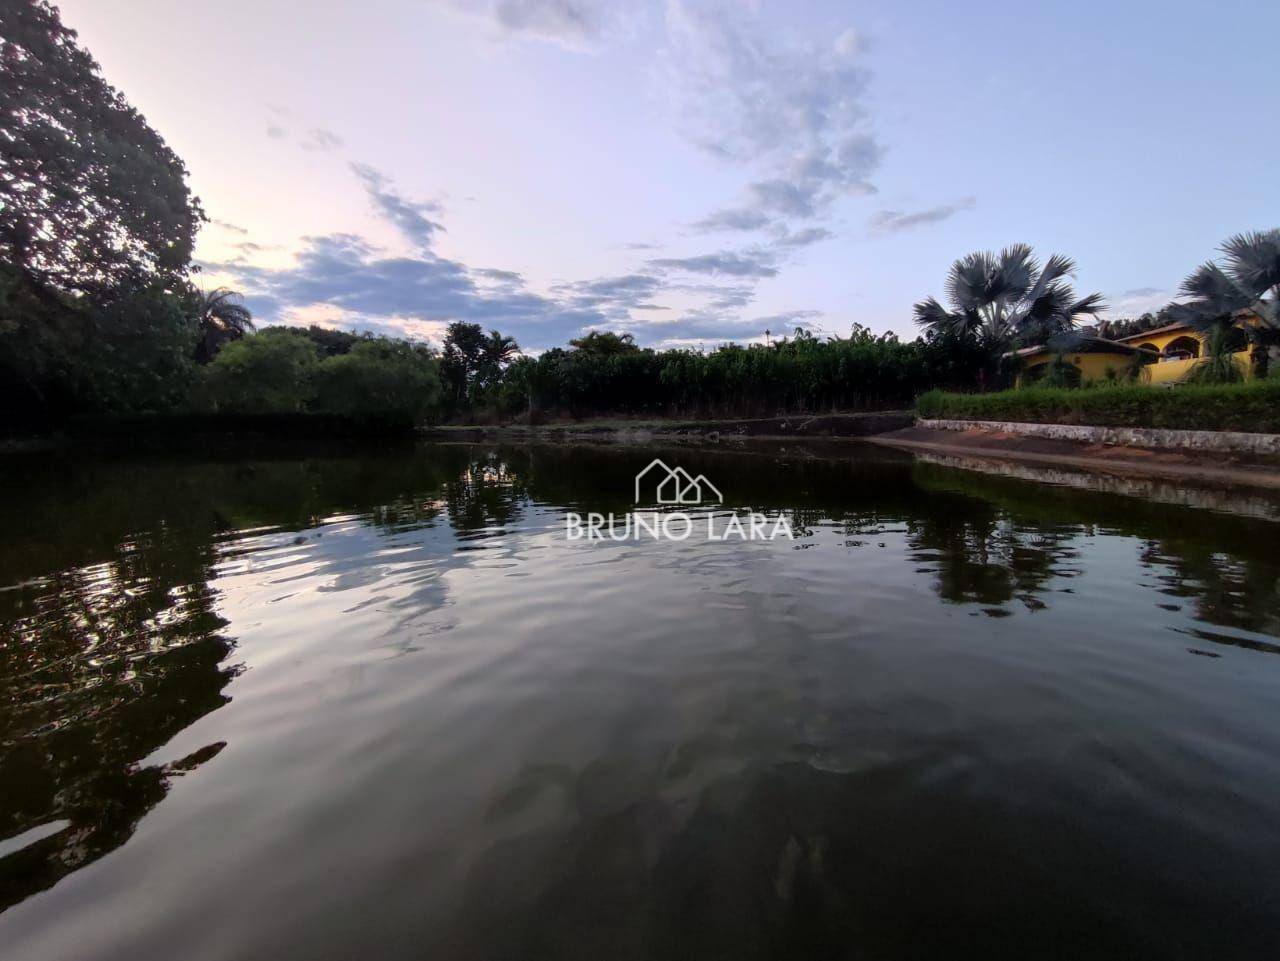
(998, 300)
(1249, 280)
(222, 319)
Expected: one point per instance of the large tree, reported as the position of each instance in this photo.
(1001, 298)
(222, 319)
(997, 301)
(92, 200)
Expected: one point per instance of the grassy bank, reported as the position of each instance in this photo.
(1253, 407)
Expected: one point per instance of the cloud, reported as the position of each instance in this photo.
(791, 318)
(803, 237)
(893, 221)
(573, 24)
(850, 43)
(1139, 300)
(346, 272)
(343, 278)
(699, 327)
(228, 226)
(741, 218)
(498, 276)
(320, 139)
(409, 216)
(276, 132)
(793, 110)
(614, 297)
(753, 262)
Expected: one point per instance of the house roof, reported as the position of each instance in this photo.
(1241, 316)
(1084, 345)
(1156, 331)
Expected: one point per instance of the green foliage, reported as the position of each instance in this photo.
(1060, 372)
(605, 343)
(1127, 326)
(62, 355)
(1252, 407)
(222, 319)
(1008, 298)
(141, 353)
(279, 371)
(92, 200)
(329, 341)
(383, 377)
(271, 372)
(460, 360)
(804, 374)
(1219, 366)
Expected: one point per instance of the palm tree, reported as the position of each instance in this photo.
(498, 350)
(998, 300)
(222, 319)
(1250, 281)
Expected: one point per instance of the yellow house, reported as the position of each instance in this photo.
(1168, 353)
(1092, 358)
(1180, 347)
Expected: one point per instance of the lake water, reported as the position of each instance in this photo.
(378, 705)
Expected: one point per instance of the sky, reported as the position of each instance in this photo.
(694, 172)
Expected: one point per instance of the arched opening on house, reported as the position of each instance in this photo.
(1184, 348)
(1151, 347)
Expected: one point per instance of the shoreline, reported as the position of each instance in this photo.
(1124, 461)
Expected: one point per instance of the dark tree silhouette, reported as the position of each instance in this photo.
(92, 200)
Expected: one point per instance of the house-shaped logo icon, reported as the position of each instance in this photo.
(674, 485)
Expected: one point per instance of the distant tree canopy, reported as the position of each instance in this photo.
(472, 363)
(1128, 326)
(281, 370)
(329, 341)
(605, 343)
(92, 200)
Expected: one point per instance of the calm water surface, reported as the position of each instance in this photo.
(376, 705)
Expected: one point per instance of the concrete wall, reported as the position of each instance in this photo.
(1160, 439)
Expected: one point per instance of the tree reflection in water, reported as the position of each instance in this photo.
(111, 643)
(99, 666)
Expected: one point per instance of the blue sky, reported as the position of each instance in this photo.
(694, 172)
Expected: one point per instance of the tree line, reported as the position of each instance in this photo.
(100, 311)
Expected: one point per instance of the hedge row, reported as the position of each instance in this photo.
(1252, 407)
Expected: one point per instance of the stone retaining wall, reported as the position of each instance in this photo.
(1200, 440)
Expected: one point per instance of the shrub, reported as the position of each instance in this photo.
(378, 377)
(270, 372)
(1252, 407)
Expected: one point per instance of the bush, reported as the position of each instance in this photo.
(379, 382)
(1252, 407)
(270, 372)
(381, 377)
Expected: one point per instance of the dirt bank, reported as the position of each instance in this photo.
(1213, 468)
(642, 431)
